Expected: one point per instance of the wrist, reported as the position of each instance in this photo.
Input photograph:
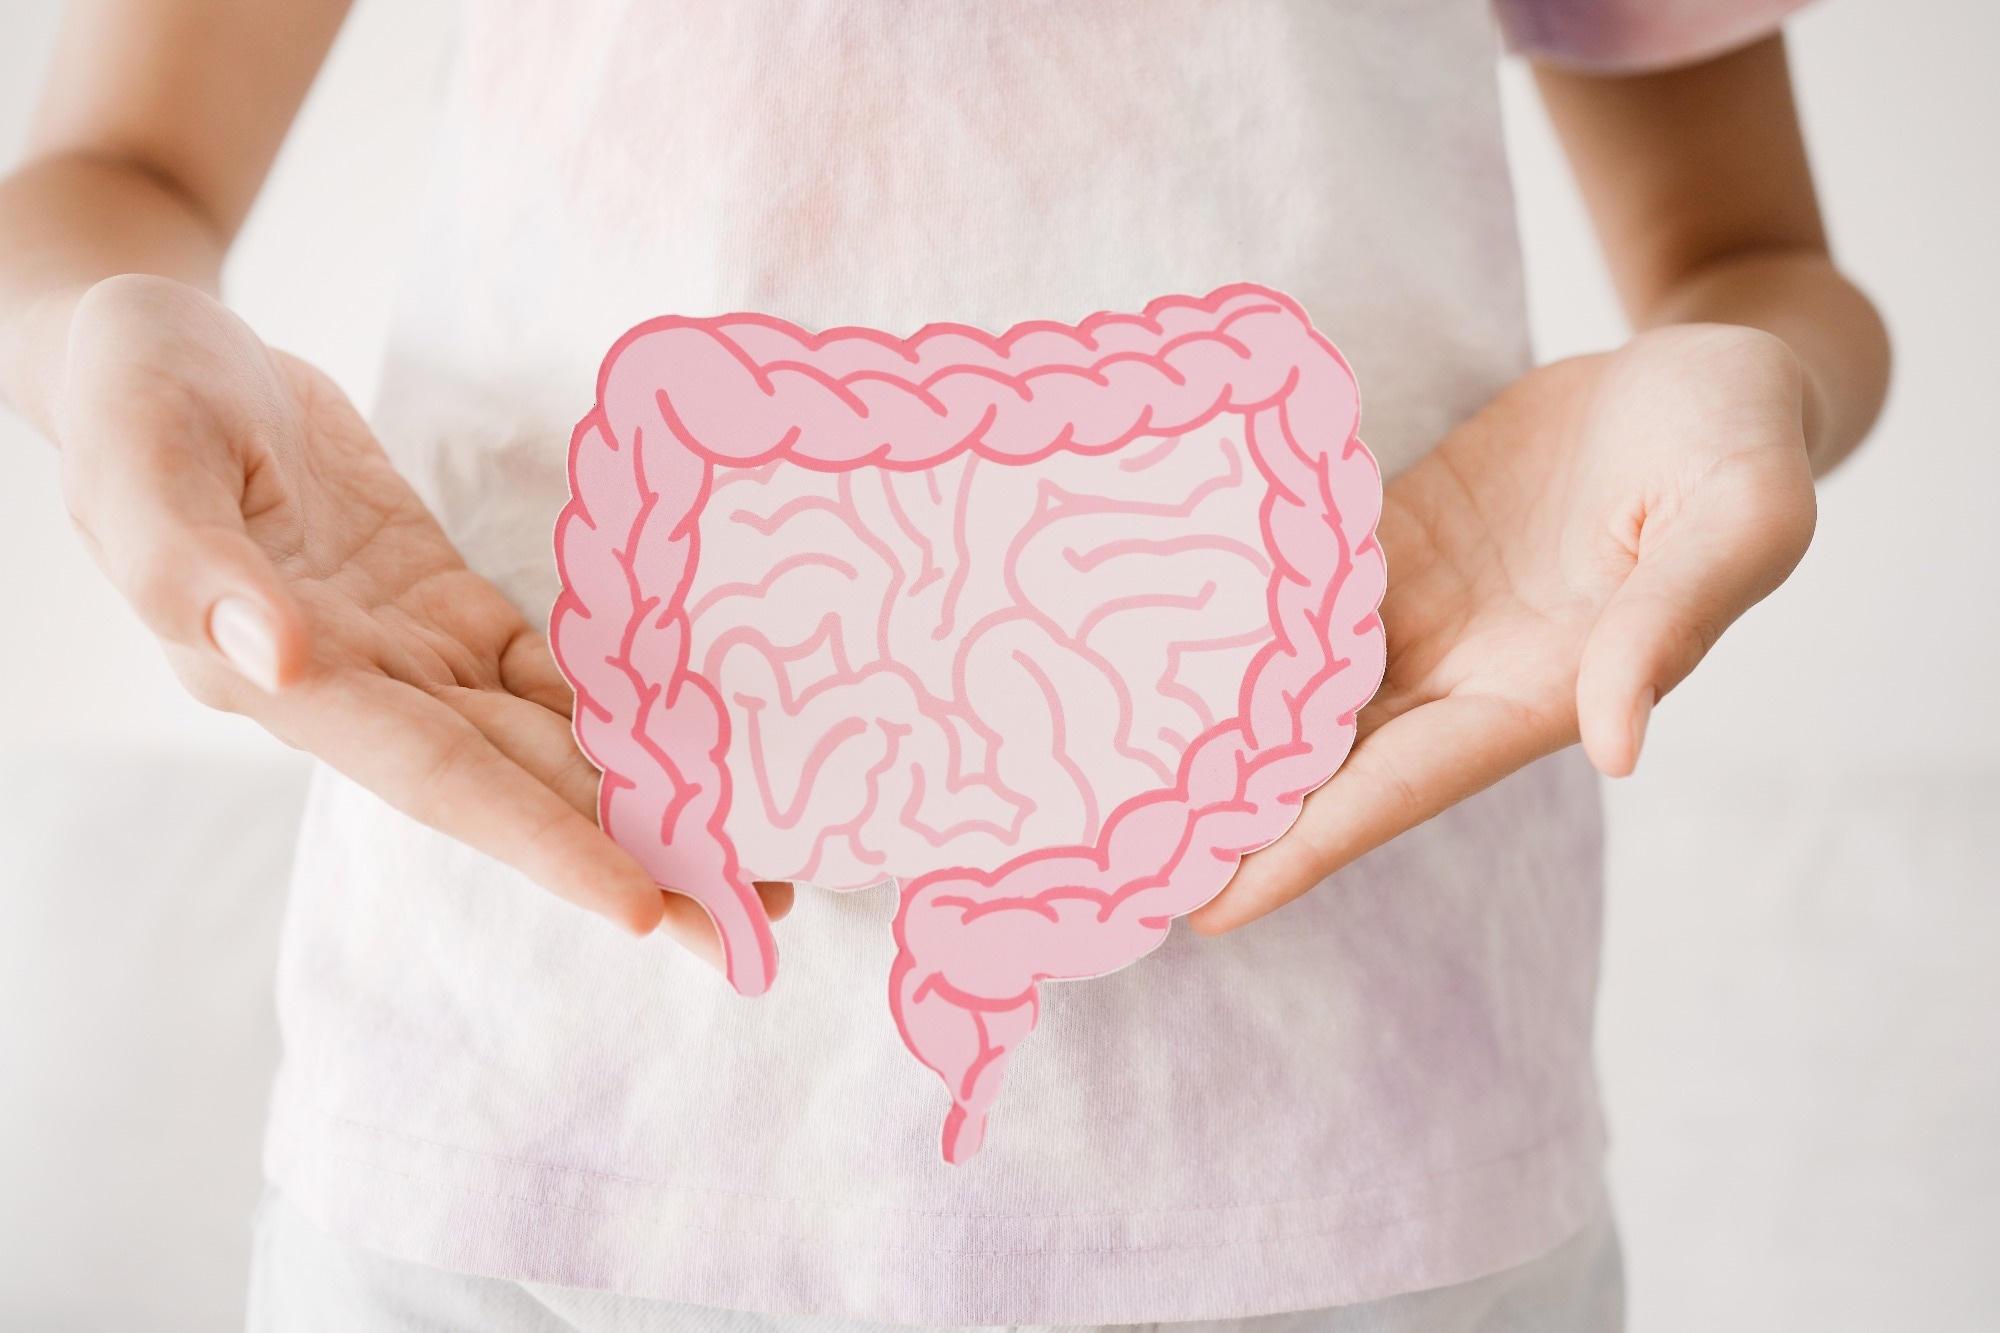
(1799, 297)
(34, 355)
(68, 222)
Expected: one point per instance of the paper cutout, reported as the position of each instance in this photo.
(1051, 627)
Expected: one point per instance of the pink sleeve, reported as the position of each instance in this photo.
(1628, 36)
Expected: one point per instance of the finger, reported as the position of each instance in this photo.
(687, 923)
(533, 737)
(528, 668)
(541, 743)
(435, 765)
(777, 895)
(1729, 547)
(1412, 767)
(162, 515)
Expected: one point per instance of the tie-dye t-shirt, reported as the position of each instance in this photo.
(1384, 1086)
(1631, 36)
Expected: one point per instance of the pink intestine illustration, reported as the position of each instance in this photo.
(1051, 627)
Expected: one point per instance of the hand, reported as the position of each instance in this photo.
(243, 507)
(1558, 563)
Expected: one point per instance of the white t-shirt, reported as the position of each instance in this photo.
(1383, 1087)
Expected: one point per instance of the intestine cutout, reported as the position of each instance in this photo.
(1050, 627)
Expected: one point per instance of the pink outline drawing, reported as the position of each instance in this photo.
(678, 397)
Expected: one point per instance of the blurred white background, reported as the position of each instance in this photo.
(1801, 1018)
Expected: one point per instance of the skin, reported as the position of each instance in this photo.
(1560, 561)
(1569, 554)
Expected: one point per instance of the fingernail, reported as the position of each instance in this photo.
(242, 634)
(1641, 715)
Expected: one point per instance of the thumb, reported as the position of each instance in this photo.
(1726, 548)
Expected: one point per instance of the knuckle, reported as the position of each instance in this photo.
(1692, 639)
(209, 683)
(545, 839)
(168, 582)
(156, 584)
(429, 794)
(578, 782)
(1399, 792)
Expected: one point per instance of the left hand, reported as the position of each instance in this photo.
(1556, 564)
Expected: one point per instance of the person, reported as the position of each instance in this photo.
(1358, 1093)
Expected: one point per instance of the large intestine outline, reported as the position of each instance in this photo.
(681, 399)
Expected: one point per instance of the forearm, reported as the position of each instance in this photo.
(1800, 296)
(1698, 181)
(155, 127)
(68, 221)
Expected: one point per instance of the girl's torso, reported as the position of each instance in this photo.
(1385, 1086)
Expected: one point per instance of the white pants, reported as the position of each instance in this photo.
(304, 1281)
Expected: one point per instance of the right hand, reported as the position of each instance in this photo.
(240, 503)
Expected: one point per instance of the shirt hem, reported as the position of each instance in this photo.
(1610, 48)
